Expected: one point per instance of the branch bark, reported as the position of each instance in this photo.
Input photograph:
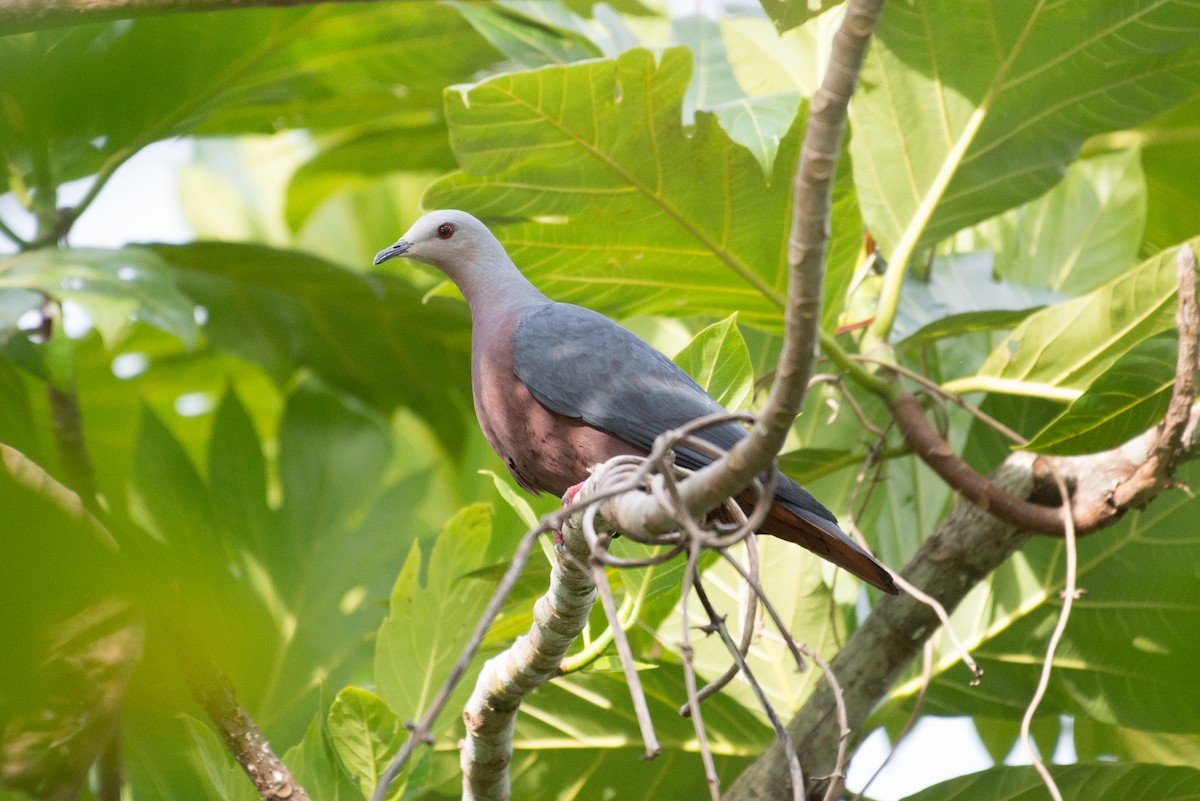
(491, 713)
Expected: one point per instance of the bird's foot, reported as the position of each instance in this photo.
(572, 491)
(568, 498)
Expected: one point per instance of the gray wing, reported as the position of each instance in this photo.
(580, 364)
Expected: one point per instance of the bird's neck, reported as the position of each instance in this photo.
(499, 288)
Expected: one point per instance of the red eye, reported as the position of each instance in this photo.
(445, 231)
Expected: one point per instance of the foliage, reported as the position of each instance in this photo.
(255, 447)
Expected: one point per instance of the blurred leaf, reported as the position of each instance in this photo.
(238, 71)
(528, 45)
(1094, 740)
(365, 735)
(713, 83)
(73, 633)
(1058, 351)
(430, 621)
(929, 108)
(957, 284)
(362, 158)
(1169, 151)
(316, 767)
(1083, 232)
(953, 325)
(113, 286)
(626, 210)
(788, 14)
(720, 362)
(226, 779)
(1096, 782)
(1124, 401)
(760, 124)
(366, 334)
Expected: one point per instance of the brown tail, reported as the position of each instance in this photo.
(829, 542)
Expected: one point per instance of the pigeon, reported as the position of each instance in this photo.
(559, 388)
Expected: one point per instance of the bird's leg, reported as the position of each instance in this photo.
(568, 498)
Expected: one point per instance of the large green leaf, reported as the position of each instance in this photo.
(1084, 232)
(255, 70)
(1124, 655)
(719, 361)
(947, 135)
(1096, 782)
(577, 738)
(1127, 399)
(621, 206)
(367, 334)
(1170, 150)
(1057, 352)
(113, 287)
(431, 619)
(793, 580)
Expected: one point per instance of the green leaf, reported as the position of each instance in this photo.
(1122, 659)
(237, 475)
(955, 325)
(113, 286)
(366, 334)
(359, 160)
(720, 362)
(251, 70)
(528, 45)
(1094, 740)
(1124, 401)
(1057, 352)
(792, 578)
(1169, 150)
(788, 14)
(961, 283)
(316, 767)
(366, 735)
(945, 135)
(577, 734)
(760, 124)
(331, 454)
(1096, 782)
(1080, 234)
(582, 152)
(430, 621)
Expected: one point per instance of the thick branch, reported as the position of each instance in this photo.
(491, 713)
(22, 16)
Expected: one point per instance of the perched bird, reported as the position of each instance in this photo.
(559, 388)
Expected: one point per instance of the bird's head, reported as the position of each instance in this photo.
(449, 239)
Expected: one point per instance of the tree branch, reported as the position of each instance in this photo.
(491, 713)
(812, 199)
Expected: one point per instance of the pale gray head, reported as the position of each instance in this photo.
(466, 251)
(448, 239)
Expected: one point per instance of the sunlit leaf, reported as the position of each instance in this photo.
(1003, 118)
(1128, 398)
(1096, 782)
(720, 362)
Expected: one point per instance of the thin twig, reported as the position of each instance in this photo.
(1068, 595)
(690, 579)
(781, 732)
(953, 397)
(838, 775)
(918, 705)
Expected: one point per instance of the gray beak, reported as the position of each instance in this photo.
(398, 249)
